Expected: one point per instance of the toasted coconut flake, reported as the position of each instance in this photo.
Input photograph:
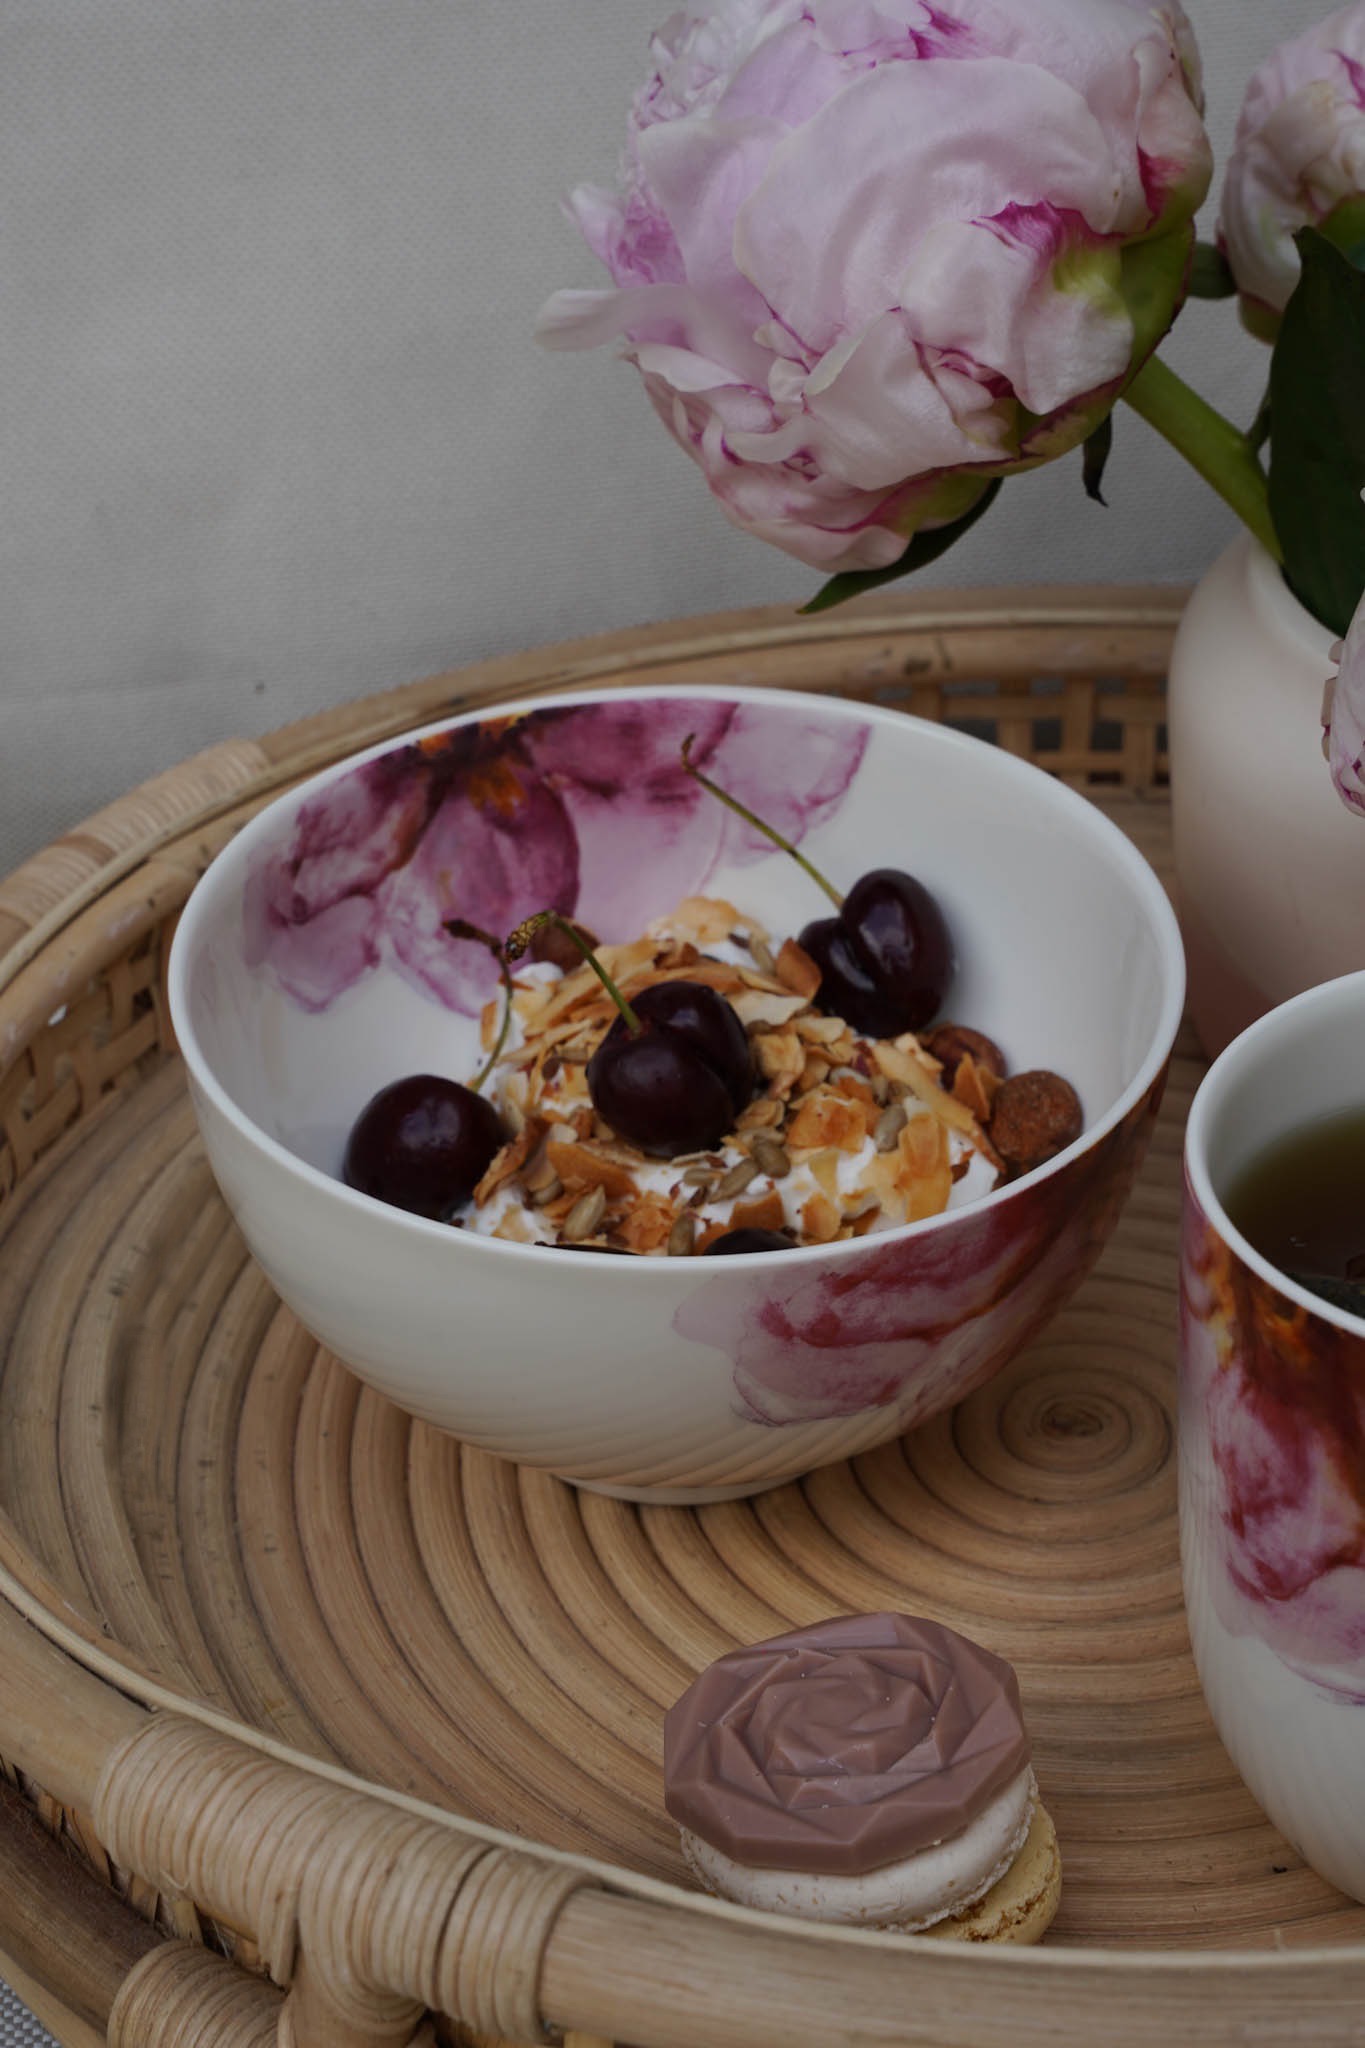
(508, 1161)
(765, 1212)
(648, 1224)
(820, 1220)
(977, 1086)
(924, 1175)
(827, 1118)
(796, 968)
(583, 1165)
(899, 1064)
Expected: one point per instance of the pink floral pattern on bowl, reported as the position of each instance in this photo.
(551, 810)
(1272, 1420)
(918, 1323)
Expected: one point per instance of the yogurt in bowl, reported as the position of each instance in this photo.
(312, 967)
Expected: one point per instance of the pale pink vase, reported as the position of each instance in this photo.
(1271, 864)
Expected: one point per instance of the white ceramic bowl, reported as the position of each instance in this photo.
(310, 969)
(1272, 1408)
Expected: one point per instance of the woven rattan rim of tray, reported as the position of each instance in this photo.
(1070, 677)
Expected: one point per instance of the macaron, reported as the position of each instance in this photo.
(872, 1770)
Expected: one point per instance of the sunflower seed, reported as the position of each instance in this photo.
(698, 1176)
(551, 1191)
(761, 953)
(890, 1124)
(737, 1179)
(585, 1215)
(682, 1236)
(771, 1154)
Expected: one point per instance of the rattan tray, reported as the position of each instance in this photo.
(332, 1705)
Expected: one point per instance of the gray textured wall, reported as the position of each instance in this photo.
(274, 432)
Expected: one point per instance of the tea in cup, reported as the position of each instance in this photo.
(1272, 1415)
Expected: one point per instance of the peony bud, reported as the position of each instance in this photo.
(1298, 161)
(1343, 716)
(870, 254)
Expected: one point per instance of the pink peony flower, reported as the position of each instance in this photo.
(1344, 716)
(869, 254)
(1298, 157)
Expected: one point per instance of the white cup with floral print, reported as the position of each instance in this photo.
(1272, 1447)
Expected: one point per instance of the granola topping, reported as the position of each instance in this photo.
(845, 1135)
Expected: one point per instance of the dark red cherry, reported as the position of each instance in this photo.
(423, 1144)
(898, 931)
(698, 1014)
(747, 1241)
(679, 1082)
(847, 987)
(886, 960)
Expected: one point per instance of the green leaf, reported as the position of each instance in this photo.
(925, 547)
(1095, 456)
(1210, 274)
(1317, 443)
(1344, 228)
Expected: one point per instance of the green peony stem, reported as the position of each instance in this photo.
(1222, 455)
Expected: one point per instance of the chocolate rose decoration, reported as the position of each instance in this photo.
(843, 1747)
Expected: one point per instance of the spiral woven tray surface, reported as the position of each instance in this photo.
(198, 1492)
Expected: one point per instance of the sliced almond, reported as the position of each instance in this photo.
(756, 1006)
(818, 1030)
(825, 1167)
(814, 1072)
(707, 919)
(890, 1124)
(780, 1056)
(762, 1114)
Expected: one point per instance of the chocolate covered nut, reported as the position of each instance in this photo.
(551, 944)
(1035, 1116)
(950, 1043)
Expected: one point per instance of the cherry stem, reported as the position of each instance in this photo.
(750, 817)
(516, 942)
(459, 928)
